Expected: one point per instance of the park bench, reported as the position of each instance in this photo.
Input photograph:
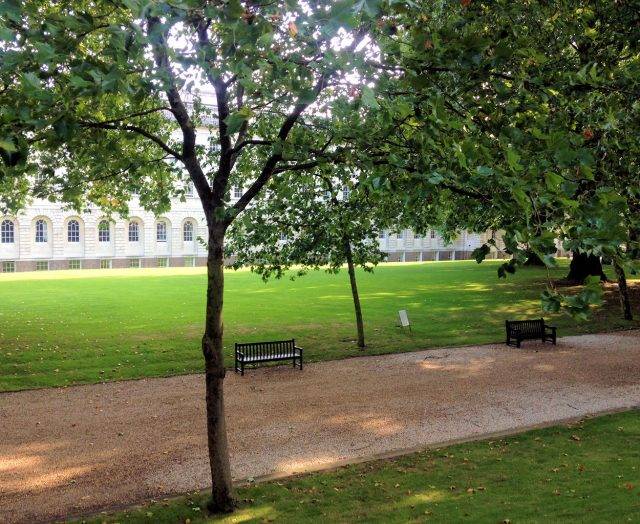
(519, 330)
(256, 352)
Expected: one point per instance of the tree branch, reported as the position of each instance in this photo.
(133, 115)
(272, 162)
(188, 157)
(133, 129)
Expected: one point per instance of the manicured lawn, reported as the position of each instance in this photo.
(63, 328)
(586, 472)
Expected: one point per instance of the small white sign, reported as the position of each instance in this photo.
(404, 318)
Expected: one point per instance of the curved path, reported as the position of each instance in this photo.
(81, 449)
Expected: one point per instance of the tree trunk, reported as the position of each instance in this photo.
(221, 488)
(623, 290)
(533, 259)
(354, 292)
(583, 265)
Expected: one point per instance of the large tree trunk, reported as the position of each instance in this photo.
(583, 265)
(533, 259)
(354, 292)
(623, 290)
(221, 488)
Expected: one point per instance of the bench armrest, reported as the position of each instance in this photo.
(239, 353)
(552, 328)
(298, 348)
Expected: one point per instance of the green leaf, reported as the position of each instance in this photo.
(8, 145)
(369, 98)
(370, 7)
(481, 253)
(235, 120)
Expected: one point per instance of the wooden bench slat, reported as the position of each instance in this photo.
(255, 352)
(520, 330)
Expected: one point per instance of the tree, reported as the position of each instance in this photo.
(122, 82)
(523, 112)
(583, 266)
(323, 219)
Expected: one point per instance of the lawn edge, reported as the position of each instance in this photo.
(340, 464)
(361, 354)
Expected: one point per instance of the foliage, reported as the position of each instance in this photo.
(587, 470)
(517, 116)
(305, 220)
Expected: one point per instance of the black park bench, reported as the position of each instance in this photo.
(519, 330)
(256, 352)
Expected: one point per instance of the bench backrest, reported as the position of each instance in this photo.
(267, 349)
(526, 327)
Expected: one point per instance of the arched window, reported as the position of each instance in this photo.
(73, 231)
(104, 232)
(161, 231)
(41, 231)
(7, 232)
(187, 232)
(134, 232)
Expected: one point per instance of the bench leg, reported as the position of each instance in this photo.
(518, 343)
(242, 369)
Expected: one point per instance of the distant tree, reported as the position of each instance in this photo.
(103, 98)
(320, 220)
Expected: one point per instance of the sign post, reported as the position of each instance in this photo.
(403, 317)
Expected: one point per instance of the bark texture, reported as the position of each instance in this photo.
(354, 293)
(623, 291)
(221, 487)
(583, 266)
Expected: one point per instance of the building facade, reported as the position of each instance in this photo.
(46, 236)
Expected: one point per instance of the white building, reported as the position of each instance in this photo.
(46, 236)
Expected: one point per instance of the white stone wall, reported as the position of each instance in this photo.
(401, 246)
(57, 247)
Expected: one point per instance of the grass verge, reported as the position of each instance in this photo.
(584, 472)
(62, 328)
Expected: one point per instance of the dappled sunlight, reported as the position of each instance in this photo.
(46, 480)
(38, 467)
(11, 463)
(544, 367)
(253, 513)
(303, 464)
(382, 426)
(464, 369)
(378, 425)
(426, 497)
(70, 274)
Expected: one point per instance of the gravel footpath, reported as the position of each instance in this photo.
(82, 449)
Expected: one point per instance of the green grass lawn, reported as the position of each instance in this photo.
(61, 328)
(586, 472)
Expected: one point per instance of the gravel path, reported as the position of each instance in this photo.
(78, 450)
